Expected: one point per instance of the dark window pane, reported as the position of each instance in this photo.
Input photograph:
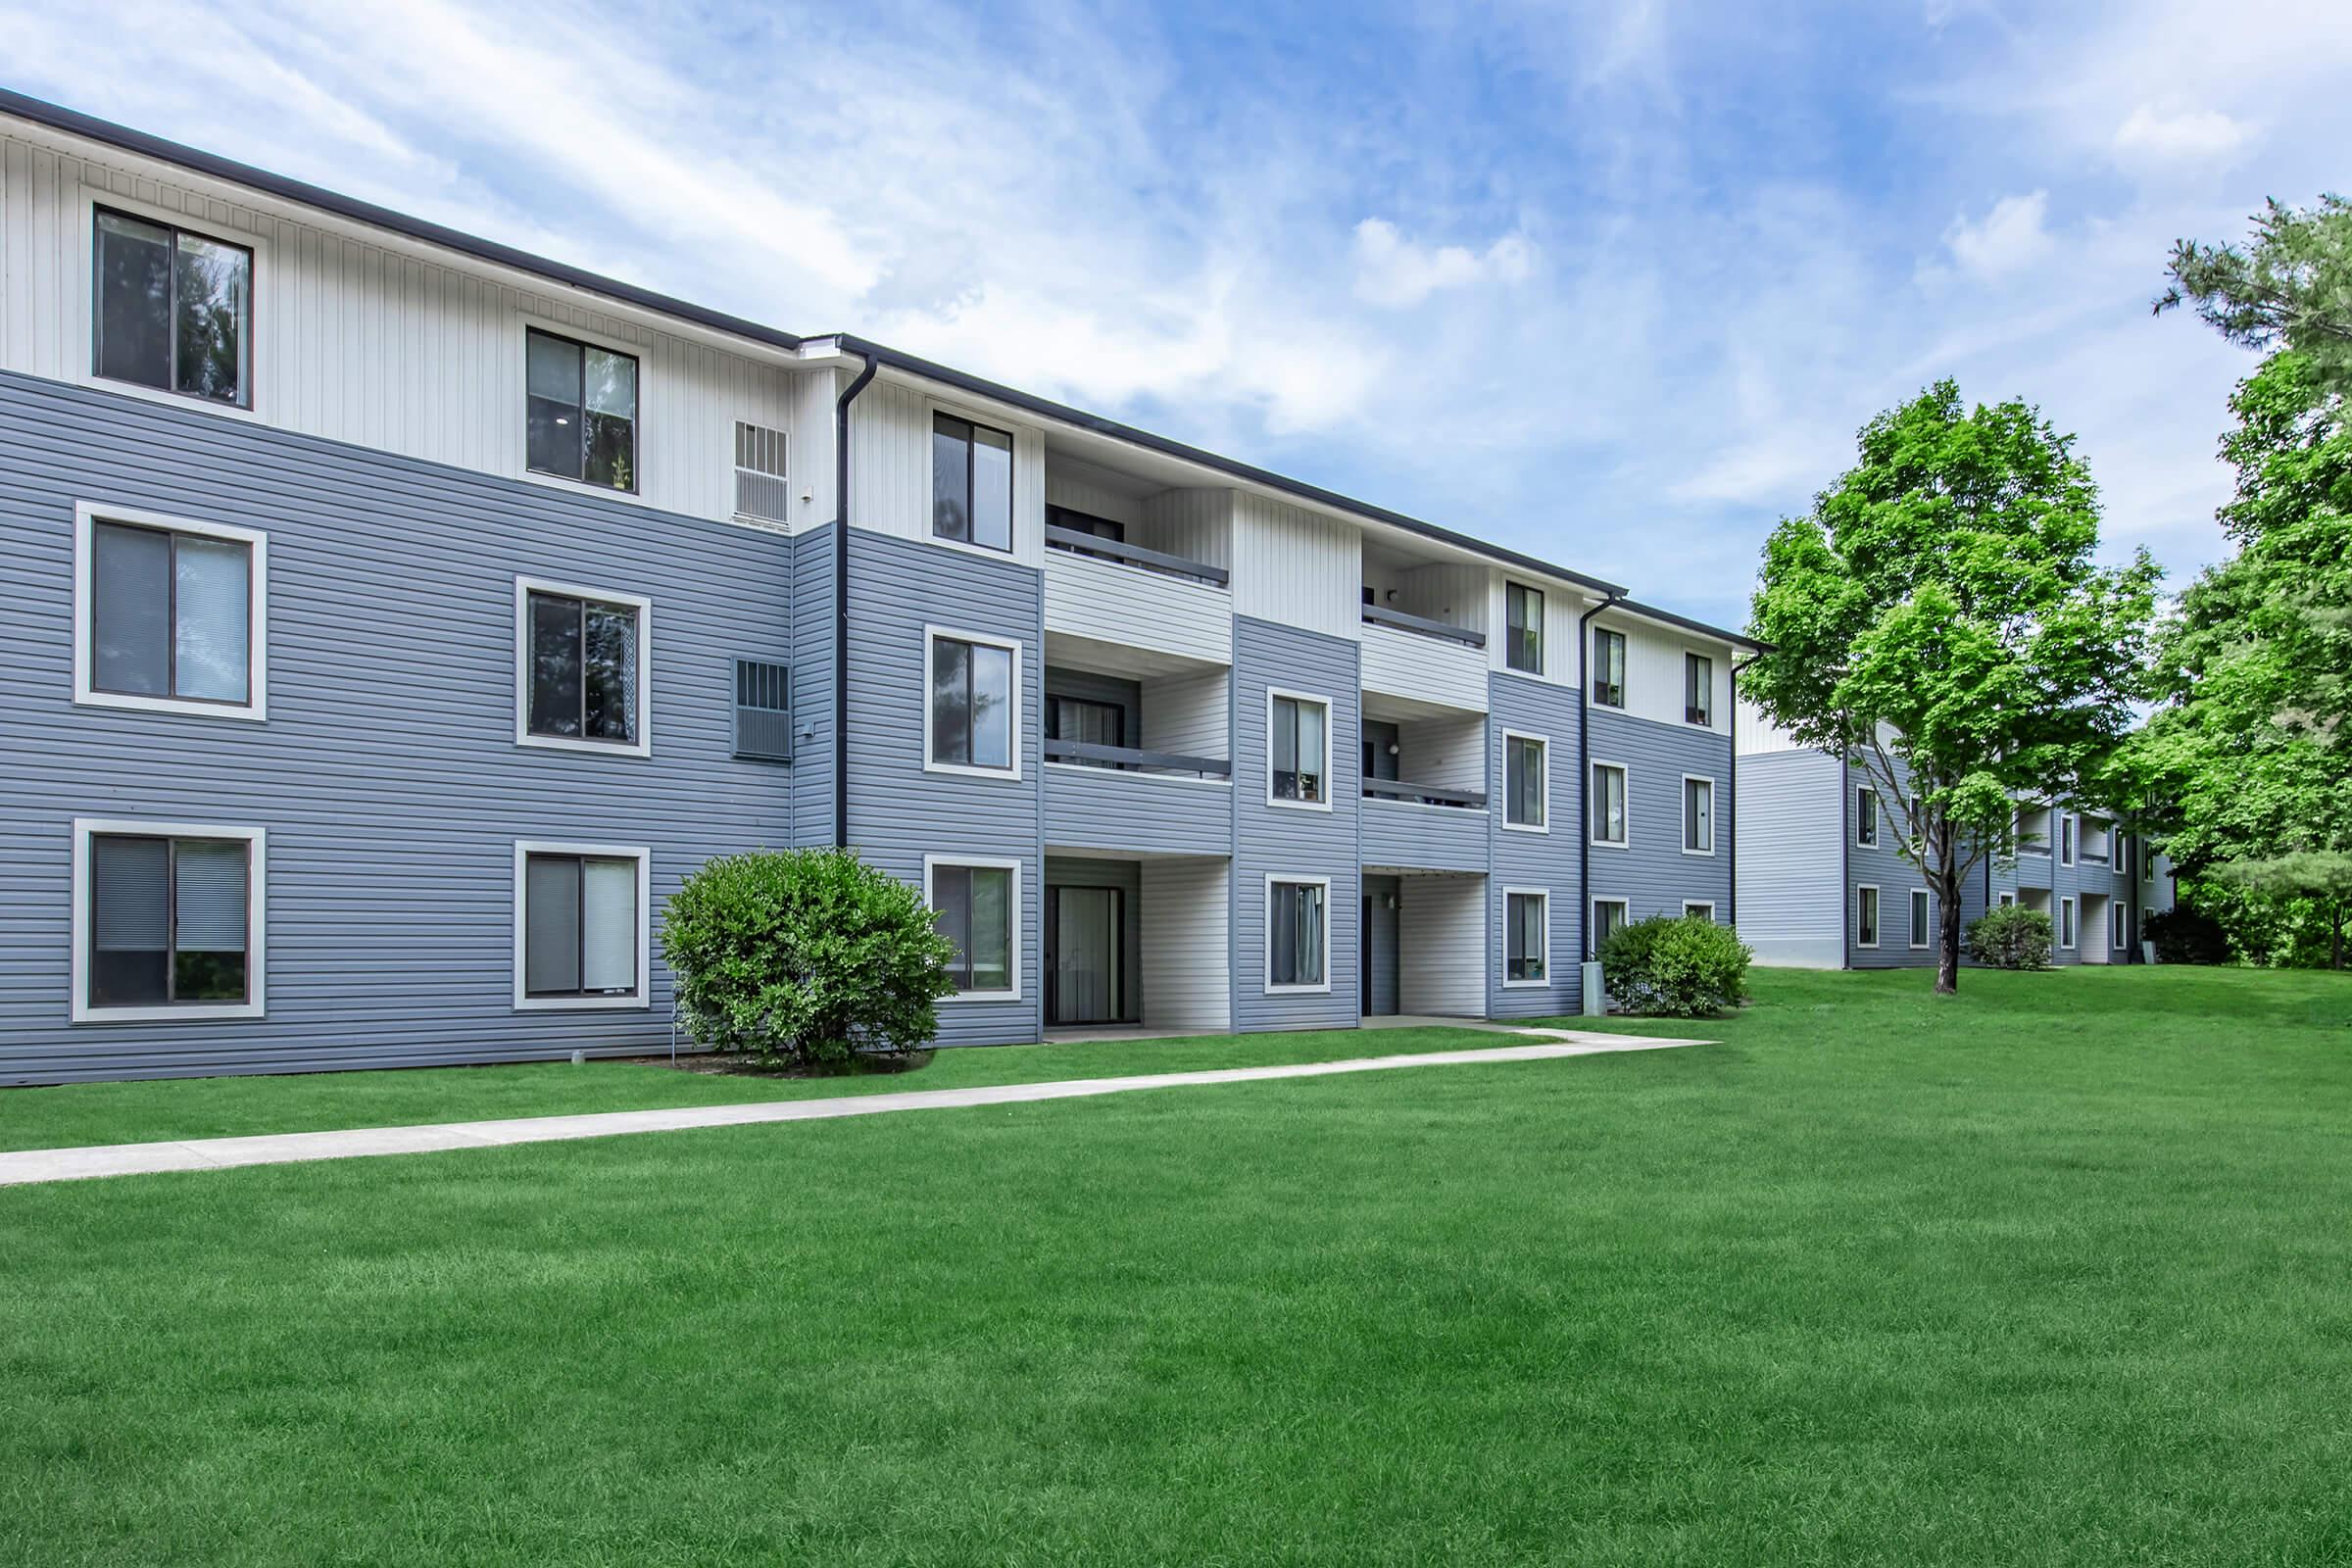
(1286, 748)
(130, 614)
(612, 419)
(554, 665)
(214, 294)
(952, 898)
(992, 488)
(550, 908)
(609, 673)
(130, 921)
(554, 439)
(1282, 910)
(992, 707)
(950, 478)
(1524, 645)
(950, 701)
(135, 301)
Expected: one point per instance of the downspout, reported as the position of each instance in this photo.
(1584, 767)
(1846, 896)
(1731, 817)
(841, 600)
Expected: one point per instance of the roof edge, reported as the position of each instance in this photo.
(1653, 613)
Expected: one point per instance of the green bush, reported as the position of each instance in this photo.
(805, 957)
(2011, 937)
(2183, 935)
(1674, 968)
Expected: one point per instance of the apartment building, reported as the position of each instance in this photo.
(1824, 882)
(394, 618)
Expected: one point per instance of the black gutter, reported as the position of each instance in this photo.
(841, 604)
(1652, 613)
(1847, 898)
(1584, 767)
(74, 123)
(1732, 817)
(1045, 406)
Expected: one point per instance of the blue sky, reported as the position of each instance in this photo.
(1613, 283)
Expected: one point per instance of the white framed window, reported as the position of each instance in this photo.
(2120, 920)
(1698, 908)
(977, 902)
(583, 660)
(1866, 817)
(1920, 917)
(171, 308)
(2116, 860)
(2066, 923)
(1523, 628)
(2067, 826)
(1866, 917)
(971, 483)
(1699, 690)
(1699, 814)
(1606, 684)
(171, 614)
(971, 703)
(1526, 936)
(1526, 782)
(1609, 916)
(1608, 810)
(1297, 933)
(167, 921)
(580, 410)
(1297, 749)
(582, 925)
(2006, 900)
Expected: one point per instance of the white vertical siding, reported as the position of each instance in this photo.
(1450, 753)
(1085, 488)
(890, 465)
(1187, 966)
(1297, 569)
(1442, 945)
(1196, 524)
(1760, 736)
(1188, 713)
(1455, 595)
(360, 343)
(1653, 672)
(1562, 605)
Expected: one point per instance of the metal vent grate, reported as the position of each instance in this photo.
(760, 490)
(763, 710)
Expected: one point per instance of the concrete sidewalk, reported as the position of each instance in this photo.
(281, 1149)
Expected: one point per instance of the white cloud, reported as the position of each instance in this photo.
(2196, 136)
(1393, 272)
(2007, 240)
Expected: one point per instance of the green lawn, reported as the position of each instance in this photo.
(2057, 1272)
(70, 1115)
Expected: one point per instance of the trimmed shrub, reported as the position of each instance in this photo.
(2183, 935)
(1672, 966)
(802, 957)
(2012, 937)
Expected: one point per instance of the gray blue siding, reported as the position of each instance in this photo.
(1424, 837)
(1792, 871)
(1651, 873)
(386, 774)
(1137, 814)
(1379, 991)
(1547, 861)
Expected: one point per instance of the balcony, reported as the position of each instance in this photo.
(1126, 801)
(1414, 833)
(1423, 670)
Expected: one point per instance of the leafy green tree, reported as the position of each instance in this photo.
(2290, 287)
(2249, 758)
(1940, 621)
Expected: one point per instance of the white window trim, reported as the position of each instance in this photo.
(1544, 741)
(1872, 817)
(1627, 692)
(1683, 811)
(1021, 434)
(2118, 933)
(2070, 837)
(2005, 900)
(1711, 726)
(1928, 924)
(1265, 919)
(643, 746)
(257, 925)
(1625, 917)
(641, 353)
(1012, 915)
(1545, 894)
(88, 515)
(1020, 701)
(1877, 913)
(1693, 905)
(85, 350)
(1543, 669)
(1331, 752)
(641, 997)
(1627, 842)
(2070, 914)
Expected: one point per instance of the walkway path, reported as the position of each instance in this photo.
(281, 1149)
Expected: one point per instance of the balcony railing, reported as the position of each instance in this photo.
(1389, 789)
(1087, 544)
(1382, 615)
(1135, 760)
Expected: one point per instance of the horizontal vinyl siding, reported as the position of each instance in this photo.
(386, 775)
(899, 813)
(1652, 874)
(1549, 861)
(1887, 867)
(1137, 814)
(1186, 944)
(1429, 670)
(1286, 841)
(1427, 838)
(1107, 603)
(1790, 859)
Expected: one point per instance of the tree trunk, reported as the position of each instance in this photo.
(1947, 934)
